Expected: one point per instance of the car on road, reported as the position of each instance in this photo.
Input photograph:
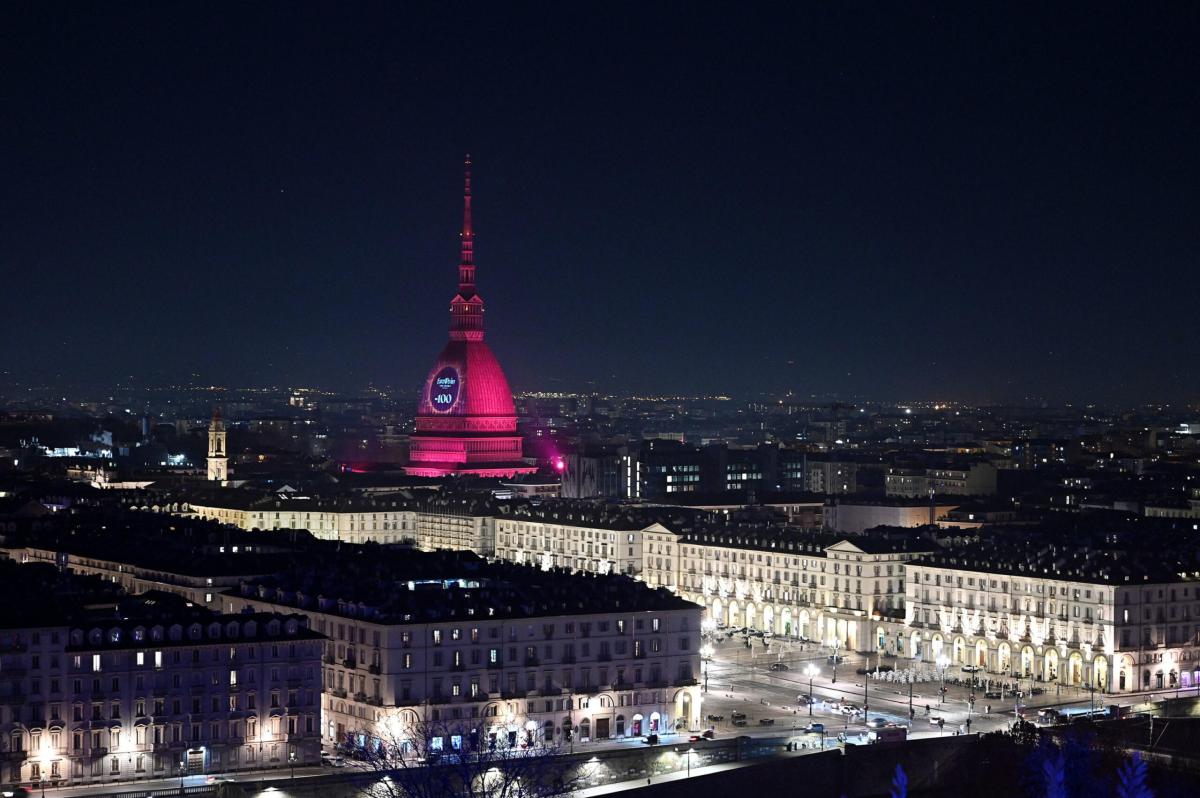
(850, 709)
(716, 718)
(936, 720)
(766, 721)
(1037, 691)
(332, 760)
(876, 722)
(994, 695)
(779, 666)
(651, 739)
(738, 715)
(707, 734)
(815, 728)
(1049, 715)
(971, 668)
(740, 722)
(834, 659)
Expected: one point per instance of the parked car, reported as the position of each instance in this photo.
(876, 722)
(332, 760)
(766, 721)
(1037, 691)
(740, 722)
(779, 666)
(815, 728)
(994, 695)
(738, 715)
(716, 718)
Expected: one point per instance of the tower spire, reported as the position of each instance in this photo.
(466, 266)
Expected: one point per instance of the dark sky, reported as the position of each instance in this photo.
(897, 199)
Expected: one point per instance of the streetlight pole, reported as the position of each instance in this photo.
(911, 713)
(292, 763)
(810, 671)
(942, 662)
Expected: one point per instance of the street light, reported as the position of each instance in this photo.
(943, 662)
(292, 763)
(810, 671)
(706, 655)
(182, 772)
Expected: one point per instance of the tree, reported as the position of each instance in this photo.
(1131, 779)
(1054, 772)
(899, 783)
(411, 758)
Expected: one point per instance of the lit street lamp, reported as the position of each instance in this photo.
(810, 671)
(292, 763)
(943, 662)
(706, 655)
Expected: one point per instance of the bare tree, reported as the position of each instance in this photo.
(411, 758)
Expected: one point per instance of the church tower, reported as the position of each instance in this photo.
(218, 463)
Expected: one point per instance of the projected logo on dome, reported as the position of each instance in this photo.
(443, 391)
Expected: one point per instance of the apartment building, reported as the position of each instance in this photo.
(1118, 622)
(99, 687)
(841, 590)
(539, 656)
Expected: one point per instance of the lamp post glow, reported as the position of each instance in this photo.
(706, 655)
(810, 671)
(943, 662)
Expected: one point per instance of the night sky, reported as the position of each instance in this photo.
(898, 200)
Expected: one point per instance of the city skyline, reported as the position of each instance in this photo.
(931, 202)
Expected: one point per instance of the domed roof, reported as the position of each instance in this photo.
(466, 380)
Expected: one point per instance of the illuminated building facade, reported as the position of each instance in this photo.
(466, 421)
(1084, 627)
(153, 696)
(536, 659)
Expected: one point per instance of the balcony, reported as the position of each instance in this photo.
(96, 753)
(375, 701)
(360, 698)
(686, 681)
(338, 693)
(508, 694)
(328, 659)
(350, 662)
(375, 669)
(550, 691)
(14, 756)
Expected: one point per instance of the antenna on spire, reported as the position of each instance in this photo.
(466, 266)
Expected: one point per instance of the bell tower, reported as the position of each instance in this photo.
(218, 462)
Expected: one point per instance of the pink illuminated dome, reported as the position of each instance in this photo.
(466, 420)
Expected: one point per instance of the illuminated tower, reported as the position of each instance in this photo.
(218, 463)
(466, 421)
